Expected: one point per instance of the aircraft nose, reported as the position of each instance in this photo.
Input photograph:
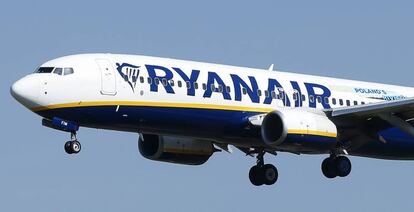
(26, 91)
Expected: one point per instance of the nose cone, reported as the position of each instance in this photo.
(26, 91)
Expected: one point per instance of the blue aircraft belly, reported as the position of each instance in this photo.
(188, 121)
(223, 125)
(398, 145)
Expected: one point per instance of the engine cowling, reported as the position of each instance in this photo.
(174, 149)
(308, 125)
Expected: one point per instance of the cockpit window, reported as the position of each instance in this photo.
(68, 71)
(45, 70)
(58, 71)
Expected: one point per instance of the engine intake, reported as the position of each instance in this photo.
(277, 126)
(171, 149)
(274, 129)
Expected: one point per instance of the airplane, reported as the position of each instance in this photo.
(185, 111)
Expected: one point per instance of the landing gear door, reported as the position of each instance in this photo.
(108, 79)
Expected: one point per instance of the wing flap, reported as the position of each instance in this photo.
(398, 113)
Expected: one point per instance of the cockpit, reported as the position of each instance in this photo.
(55, 70)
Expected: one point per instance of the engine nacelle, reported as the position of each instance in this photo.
(174, 149)
(301, 125)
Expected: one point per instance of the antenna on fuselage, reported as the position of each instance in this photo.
(271, 67)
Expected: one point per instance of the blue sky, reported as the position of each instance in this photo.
(366, 40)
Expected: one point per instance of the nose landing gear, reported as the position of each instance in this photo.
(263, 174)
(73, 146)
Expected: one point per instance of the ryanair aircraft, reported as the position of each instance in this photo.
(185, 111)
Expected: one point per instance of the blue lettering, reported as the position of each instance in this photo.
(192, 79)
(272, 85)
(298, 100)
(152, 74)
(310, 87)
(211, 86)
(252, 92)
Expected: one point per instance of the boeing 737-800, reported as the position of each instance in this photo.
(185, 111)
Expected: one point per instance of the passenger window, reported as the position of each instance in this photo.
(68, 71)
(141, 79)
(303, 97)
(334, 101)
(179, 83)
(355, 103)
(362, 103)
(279, 95)
(348, 103)
(156, 80)
(273, 93)
(326, 100)
(220, 88)
(341, 102)
(204, 86)
(311, 99)
(195, 85)
(259, 92)
(164, 81)
(172, 82)
(228, 89)
(266, 92)
(58, 71)
(149, 80)
(244, 90)
(319, 99)
(295, 96)
(213, 88)
(188, 84)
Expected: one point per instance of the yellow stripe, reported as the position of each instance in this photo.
(312, 132)
(152, 104)
(178, 105)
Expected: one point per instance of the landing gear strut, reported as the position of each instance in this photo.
(336, 166)
(263, 174)
(73, 146)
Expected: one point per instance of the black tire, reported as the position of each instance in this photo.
(329, 168)
(343, 166)
(270, 174)
(68, 147)
(256, 176)
(75, 147)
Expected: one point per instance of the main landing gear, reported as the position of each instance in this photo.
(263, 174)
(73, 146)
(336, 166)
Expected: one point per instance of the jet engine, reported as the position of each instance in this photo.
(312, 128)
(171, 149)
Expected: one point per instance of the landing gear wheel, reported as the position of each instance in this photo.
(328, 168)
(256, 176)
(67, 147)
(270, 174)
(261, 174)
(336, 167)
(343, 166)
(72, 147)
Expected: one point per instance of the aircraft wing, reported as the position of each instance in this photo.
(357, 123)
(403, 107)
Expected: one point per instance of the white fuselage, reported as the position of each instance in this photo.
(184, 98)
(90, 84)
